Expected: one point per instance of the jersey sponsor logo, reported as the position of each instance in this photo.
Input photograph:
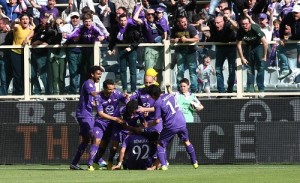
(109, 109)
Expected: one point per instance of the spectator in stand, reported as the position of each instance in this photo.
(128, 4)
(4, 29)
(223, 4)
(106, 11)
(286, 8)
(224, 30)
(67, 12)
(267, 28)
(33, 12)
(126, 33)
(87, 34)
(186, 56)
(57, 60)
(255, 7)
(11, 8)
(74, 55)
(272, 58)
(43, 35)
(162, 23)
(153, 56)
(289, 30)
(22, 34)
(254, 54)
(96, 20)
(204, 72)
(264, 24)
(184, 8)
(79, 5)
(276, 6)
(48, 10)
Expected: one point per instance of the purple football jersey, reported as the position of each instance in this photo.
(119, 133)
(138, 152)
(87, 36)
(167, 108)
(109, 104)
(85, 104)
(145, 100)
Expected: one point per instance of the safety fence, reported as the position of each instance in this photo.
(274, 86)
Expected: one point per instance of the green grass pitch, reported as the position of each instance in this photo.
(175, 174)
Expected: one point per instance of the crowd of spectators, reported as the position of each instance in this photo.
(40, 22)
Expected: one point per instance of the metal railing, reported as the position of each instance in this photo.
(240, 93)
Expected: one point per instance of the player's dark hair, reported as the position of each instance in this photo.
(184, 80)
(131, 106)
(94, 69)
(154, 91)
(151, 136)
(108, 82)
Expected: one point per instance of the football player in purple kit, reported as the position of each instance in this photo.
(137, 151)
(146, 104)
(167, 109)
(84, 113)
(131, 123)
(107, 109)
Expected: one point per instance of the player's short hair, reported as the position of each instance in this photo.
(151, 136)
(94, 69)
(154, 91)
(184, 80)
(131, 106)
(108, 82)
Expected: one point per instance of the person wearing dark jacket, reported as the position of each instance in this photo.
(126, 32)
(289, 30)
(43, 35)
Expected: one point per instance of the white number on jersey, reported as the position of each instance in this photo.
(172, 107)
(138, 151)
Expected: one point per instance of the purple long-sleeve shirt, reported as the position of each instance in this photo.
(86, 36)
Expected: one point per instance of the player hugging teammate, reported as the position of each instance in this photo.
(143, 127)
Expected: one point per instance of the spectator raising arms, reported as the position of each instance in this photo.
(22, 34)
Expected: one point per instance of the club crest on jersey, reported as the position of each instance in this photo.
(91, 85)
